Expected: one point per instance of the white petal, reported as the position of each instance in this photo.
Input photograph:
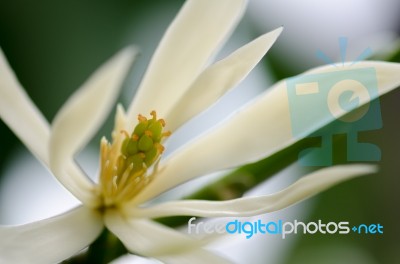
(219, 78)
(150, 239)
(21, 114)
(249, 206)
(79, 119)
(51, 240)
(188, 44)
(258, 130)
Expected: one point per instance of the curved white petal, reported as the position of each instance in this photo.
(51, 240)
(219, 78)
(249, 206)
(79, 119)
(21, 114)
(189, 42)
(260, 129)
(150, 239)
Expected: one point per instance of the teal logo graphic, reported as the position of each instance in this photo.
(315, 99)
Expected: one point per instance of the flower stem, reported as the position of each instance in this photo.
(237, 182)
(103, 250)
(107, 247)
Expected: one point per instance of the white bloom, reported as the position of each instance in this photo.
(178, 85)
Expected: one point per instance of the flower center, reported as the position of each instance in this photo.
(124, 164)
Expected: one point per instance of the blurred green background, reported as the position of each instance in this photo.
(54, 45)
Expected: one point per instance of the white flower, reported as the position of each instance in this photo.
(178, 85)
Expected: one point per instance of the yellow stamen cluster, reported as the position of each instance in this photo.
(125, 162)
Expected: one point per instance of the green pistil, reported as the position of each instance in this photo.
(143, 147)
